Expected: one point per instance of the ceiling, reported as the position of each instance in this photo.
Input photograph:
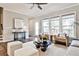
(24, 8)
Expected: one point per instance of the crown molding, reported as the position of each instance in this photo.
(59, 10)
(10, 10)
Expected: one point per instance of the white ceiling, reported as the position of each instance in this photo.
(24, 8)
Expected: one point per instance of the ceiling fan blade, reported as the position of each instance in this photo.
(39, 7)
(41, 3)
(32, 6)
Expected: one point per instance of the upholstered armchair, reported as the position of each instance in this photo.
(62, 39)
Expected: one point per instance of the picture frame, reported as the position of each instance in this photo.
(18, 23)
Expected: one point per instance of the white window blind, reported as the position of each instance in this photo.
(60, 24)
(54, 22)
(68, 25)
(45, 26)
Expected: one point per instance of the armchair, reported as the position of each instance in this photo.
(61, 39)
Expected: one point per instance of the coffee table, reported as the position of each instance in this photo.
(42, 47)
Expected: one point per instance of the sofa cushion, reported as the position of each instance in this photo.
(75, 43)
(31, 44)
(26, 51)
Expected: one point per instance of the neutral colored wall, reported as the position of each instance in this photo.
(32, 26)
(8, 18)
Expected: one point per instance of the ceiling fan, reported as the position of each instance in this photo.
(38, 5)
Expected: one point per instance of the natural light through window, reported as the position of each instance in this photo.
(63, 24)
(45, 26)
(68, 25)
(36, 28)
(55, 25)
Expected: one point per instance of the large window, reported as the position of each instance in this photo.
(54, 25)
(68, 25)
(45, 26)
(63, 24)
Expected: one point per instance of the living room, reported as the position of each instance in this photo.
(39, 29)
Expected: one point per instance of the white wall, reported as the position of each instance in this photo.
(32, 26)
(8, 17)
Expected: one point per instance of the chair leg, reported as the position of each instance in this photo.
(66, 43)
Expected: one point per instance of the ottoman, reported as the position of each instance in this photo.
(31, 44)
(26, 51)
(12, 46)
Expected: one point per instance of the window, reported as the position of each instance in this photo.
(45, 26)
(54, 25)
(63, 24)
(68, 25)
(36, 28)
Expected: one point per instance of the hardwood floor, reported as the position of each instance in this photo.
(3, 48)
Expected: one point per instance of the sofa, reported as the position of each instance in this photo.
(73, 49)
